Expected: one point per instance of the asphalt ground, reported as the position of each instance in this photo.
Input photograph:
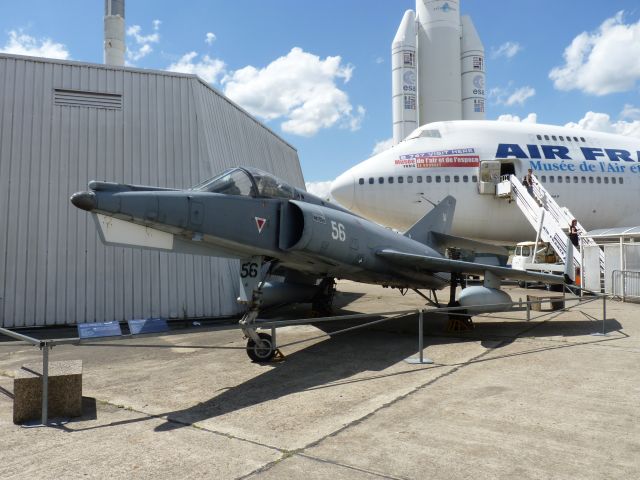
(509, 399)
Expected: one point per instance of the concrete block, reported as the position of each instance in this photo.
(65, 391)
(555, 299)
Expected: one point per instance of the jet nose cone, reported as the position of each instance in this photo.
(343, 189)
(84, 200)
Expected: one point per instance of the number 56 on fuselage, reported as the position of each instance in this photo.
(247, 213)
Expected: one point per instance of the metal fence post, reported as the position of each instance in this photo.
(45, 383)
(421, 335)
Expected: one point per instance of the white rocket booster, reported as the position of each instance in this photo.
(473, 75)
(450, 66)
(404, 78)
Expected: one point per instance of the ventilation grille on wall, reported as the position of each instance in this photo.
(79, 98)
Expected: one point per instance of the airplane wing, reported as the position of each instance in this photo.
(435, 264)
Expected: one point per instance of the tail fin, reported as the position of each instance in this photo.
(438, 220)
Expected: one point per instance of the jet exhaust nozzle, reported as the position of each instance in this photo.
(84, 200)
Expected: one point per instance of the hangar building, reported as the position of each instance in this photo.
(64, 123)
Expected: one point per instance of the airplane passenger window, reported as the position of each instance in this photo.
(361, 181)
(613, 179)
(575, 139)
(546, 137)
(598, 180)
(447, 178)
(419, 179)
(539, 137)
(474, 179)
(456, 178)
(400, 179)
(551, 178)
(606, 179)
(621, 180)
(409, 179)
(554, 138)
(582, 139)
(590, 179)
(559, 178)
(438, 179)
(428, 177)
(381, 180)
(390, 179)
(465, 178)
(561, 138)
(544, 179)
(569, 139)
(583, 180)
(371, 180)
(575, 179)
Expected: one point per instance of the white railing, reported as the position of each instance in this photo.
(543, 213)
(562, 216)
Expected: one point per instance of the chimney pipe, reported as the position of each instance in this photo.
(114, 46)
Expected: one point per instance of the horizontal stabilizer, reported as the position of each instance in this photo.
(438, 220)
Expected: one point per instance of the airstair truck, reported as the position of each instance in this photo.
(540, 258)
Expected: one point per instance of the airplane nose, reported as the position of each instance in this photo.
(343, 189)
(84, 200)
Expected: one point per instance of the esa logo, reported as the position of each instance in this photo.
(409, 80)
(478, 83)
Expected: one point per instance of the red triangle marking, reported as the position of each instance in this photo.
(260, 223)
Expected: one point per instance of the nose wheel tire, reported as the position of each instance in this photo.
(262, 352)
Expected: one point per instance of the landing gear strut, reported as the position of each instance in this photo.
(322, 304)
(253, 275)
(458, 321)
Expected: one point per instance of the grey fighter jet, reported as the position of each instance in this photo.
(277, 230)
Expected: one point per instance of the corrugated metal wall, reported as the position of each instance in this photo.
(171, 130)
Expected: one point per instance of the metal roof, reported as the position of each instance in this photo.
(614, 232)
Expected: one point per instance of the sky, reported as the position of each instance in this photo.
(319, 73)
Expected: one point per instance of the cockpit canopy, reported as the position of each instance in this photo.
(248, 182)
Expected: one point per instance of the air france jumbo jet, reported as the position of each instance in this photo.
(595, 175)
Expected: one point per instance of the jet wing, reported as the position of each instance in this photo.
(435, 264)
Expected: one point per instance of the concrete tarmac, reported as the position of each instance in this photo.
(509, 399)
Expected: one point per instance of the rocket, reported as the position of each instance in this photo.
(437, 68)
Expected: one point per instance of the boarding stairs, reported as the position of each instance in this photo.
(550, 220)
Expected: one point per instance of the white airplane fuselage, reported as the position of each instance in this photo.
(595, 175)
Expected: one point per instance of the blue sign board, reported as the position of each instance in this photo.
(97, 330)
(148, 325)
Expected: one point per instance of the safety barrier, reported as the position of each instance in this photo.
(156, 327)
(626, 284)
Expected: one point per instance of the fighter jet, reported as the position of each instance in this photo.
(277, 230)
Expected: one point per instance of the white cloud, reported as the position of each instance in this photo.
(507, 50)
(210, 38)
(379, 60)
(320, 189)
(209, 69)
(531, 118)
(299, 88)
(601, 122)
(520, 96)
(143, 42)
(22, 44)
(603, 61)
(630, 112)
(509, 97)
(382, 145)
